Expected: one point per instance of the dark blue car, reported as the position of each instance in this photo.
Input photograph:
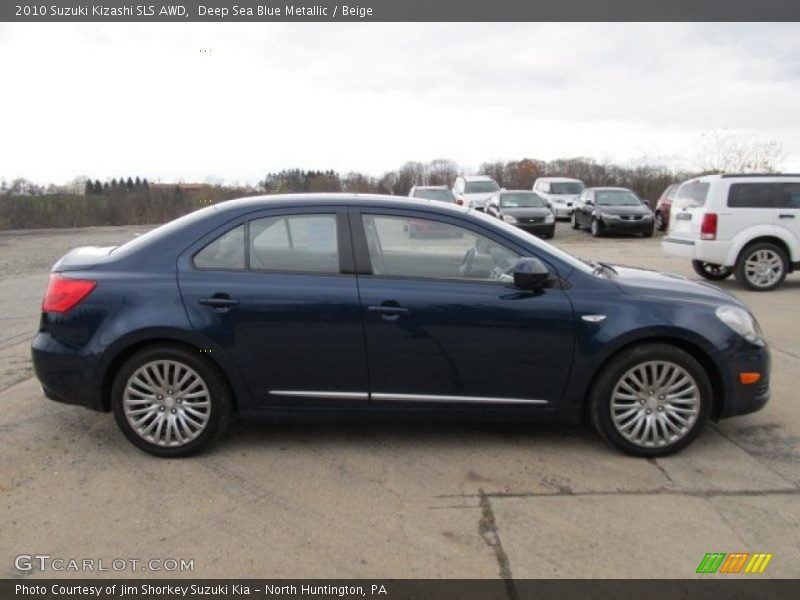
(282, 306)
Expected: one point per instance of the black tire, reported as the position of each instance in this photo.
(648, 233)
(600, 397)
(597, 228)
(219, 398)
(711, 271)
(574, 220)
(750, 253)
(660, 223)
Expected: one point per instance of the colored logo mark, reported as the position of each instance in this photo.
(735, 562)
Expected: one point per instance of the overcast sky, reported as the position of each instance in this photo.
(106, 100)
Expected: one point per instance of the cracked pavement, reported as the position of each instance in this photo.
(393, 500)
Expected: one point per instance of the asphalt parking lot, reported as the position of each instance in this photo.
(387, 500)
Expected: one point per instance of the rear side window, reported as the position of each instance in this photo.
(225, 252)
(764, 195)
(306, 243)
(299, 243)
(693, 192)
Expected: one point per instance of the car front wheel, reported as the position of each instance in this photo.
(170, 401)
(597, 228)
(711, 271)
(660, 223)
(575, 224)
(651, 400)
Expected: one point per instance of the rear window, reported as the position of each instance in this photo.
(443, 195)
(480, 187)
(764, 195)
(568, 187)
(693, 192)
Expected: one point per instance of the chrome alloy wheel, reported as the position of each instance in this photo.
(763, 268)
(655, 403)
(167, 403)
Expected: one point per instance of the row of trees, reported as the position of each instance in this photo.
(114, 186)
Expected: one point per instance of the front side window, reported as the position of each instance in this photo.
(423, 248)
(306, 243)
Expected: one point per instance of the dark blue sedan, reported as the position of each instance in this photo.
(282, 306)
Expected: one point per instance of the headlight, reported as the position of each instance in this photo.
(509, 219)
(742, 322)
(558, 200)
(549, 218)
(609, 216)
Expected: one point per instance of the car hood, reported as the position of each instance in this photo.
(623, 210)
(526, 212)
(645, 282)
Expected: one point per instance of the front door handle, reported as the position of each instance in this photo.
(389, 311)
(785, 216)
(219, 302)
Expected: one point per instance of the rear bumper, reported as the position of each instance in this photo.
(710, 251)
(66, 375)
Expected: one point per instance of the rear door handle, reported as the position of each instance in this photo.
(219, 302)
(785, 216)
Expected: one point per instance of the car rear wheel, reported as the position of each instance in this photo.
(761, 267)
(711, 271)
(661, 225)
(170, 401)
(651, 400)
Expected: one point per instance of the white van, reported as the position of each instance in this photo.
(560, 192)
(748, 225)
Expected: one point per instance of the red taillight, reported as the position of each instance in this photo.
(63, 294)
(708, 229)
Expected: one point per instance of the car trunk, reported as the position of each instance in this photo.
(688, 209)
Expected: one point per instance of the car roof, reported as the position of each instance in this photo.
(717, 176)
(609, 189)
(559, 179)
(518, 192)
(333, 199)
(477, 178)
(430, 187)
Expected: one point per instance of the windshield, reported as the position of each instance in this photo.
(527, 200)
(529, 238)
(480, 187)
(566, 187)
(616, 198)
(442, 194)
(692, 193)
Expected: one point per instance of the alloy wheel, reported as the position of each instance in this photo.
(763, 268)
(655, 403)
(167, 403)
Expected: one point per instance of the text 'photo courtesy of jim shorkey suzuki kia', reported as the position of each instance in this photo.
(345, 305)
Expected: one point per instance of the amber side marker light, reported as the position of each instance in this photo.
(748, 378)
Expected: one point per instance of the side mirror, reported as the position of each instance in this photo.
(531, 274)
(589, 203)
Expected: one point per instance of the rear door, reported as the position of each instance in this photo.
(277, 292)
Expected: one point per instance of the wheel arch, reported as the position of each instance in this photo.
(136, 343)
(765, 237)
(695, 350)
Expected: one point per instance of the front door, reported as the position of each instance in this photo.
(444, 324)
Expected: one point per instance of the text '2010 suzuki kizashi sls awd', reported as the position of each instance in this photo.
(281, 306)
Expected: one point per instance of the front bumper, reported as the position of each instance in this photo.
(563, 210)
(65, 374)
(623, 226)
(538, 229)
(742, 399)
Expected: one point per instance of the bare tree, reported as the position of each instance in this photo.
(724, 151)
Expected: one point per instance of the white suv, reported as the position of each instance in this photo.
(748, 225)
(560, 192)
(474, 190)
